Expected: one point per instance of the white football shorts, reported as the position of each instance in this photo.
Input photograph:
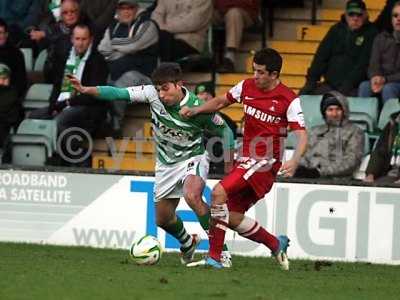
(170, 178)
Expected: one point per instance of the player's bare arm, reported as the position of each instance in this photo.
(289, 167)
(88, 90)
(213, 105)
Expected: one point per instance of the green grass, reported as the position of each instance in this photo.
(50, 272)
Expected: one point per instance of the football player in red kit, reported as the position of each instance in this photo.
(270, 108)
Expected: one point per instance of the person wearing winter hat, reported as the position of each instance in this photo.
(335, 148)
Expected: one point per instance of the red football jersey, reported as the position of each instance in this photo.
(267, 116)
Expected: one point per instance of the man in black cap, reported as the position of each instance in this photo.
(343, 55)
(335, 148)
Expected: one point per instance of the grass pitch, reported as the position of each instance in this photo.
(50, 272)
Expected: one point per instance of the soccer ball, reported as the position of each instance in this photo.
(146, 251)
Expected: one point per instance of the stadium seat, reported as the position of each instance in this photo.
(311, 109)
(40, 60)
(28, 57)
(391, 106)
(364, 111)
(37, 96)
(34, 142)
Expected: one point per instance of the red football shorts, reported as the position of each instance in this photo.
(248, 182)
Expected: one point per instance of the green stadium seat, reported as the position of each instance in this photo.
(37, 96)
(391, 106)
(364, 110)
(28, 57)
(310, 105)
(362, 120)
(34, 142)
(40, 60)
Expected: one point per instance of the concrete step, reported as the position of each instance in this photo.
(294, 47)
(126, 162)
(313, 33)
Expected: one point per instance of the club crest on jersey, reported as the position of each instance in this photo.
(260, 115)
(162, 111)
(217, 120)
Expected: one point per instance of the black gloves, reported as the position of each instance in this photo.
(305, 172)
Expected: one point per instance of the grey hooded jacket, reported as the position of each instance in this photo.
(335, 150)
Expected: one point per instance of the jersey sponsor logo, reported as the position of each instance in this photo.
(168, 132)
(259, 115)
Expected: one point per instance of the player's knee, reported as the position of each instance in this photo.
(192, 197)
(218, 194)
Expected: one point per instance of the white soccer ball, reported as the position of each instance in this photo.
(146, 251)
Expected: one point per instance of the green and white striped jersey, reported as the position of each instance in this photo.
(177, 138)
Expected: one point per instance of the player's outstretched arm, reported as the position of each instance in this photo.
(210, 106)
(107, 93)
(289, 167)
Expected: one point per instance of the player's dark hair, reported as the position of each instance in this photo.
(4, 24)
(167, 72)
(270, 58)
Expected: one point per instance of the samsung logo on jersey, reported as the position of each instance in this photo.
(259, 115)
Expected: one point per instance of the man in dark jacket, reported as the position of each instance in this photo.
(71, 109)
(384, 162)
(343, 55)
(14, 59)
(10, 105)
(384, 64)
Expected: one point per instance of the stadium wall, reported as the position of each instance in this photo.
(332, 222)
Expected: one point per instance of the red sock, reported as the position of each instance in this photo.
(216, 237)
(251, 230)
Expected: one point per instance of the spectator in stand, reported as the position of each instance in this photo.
(205, 91)
(183, 26)
(10, 104)
(20, 15)
(335, 148)
(384, 20)
(237, 16)
(56, 37)
(343, 55)
(100, 12)
(76, 110)
(130, 43)
(14, 59)
(384, 64)
(384, 162)
(130, 47)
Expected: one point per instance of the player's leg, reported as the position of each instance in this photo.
(250, 228)
(167, 219)
(192, 191)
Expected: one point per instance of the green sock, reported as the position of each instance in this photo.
(205, 224)
(178, 231)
